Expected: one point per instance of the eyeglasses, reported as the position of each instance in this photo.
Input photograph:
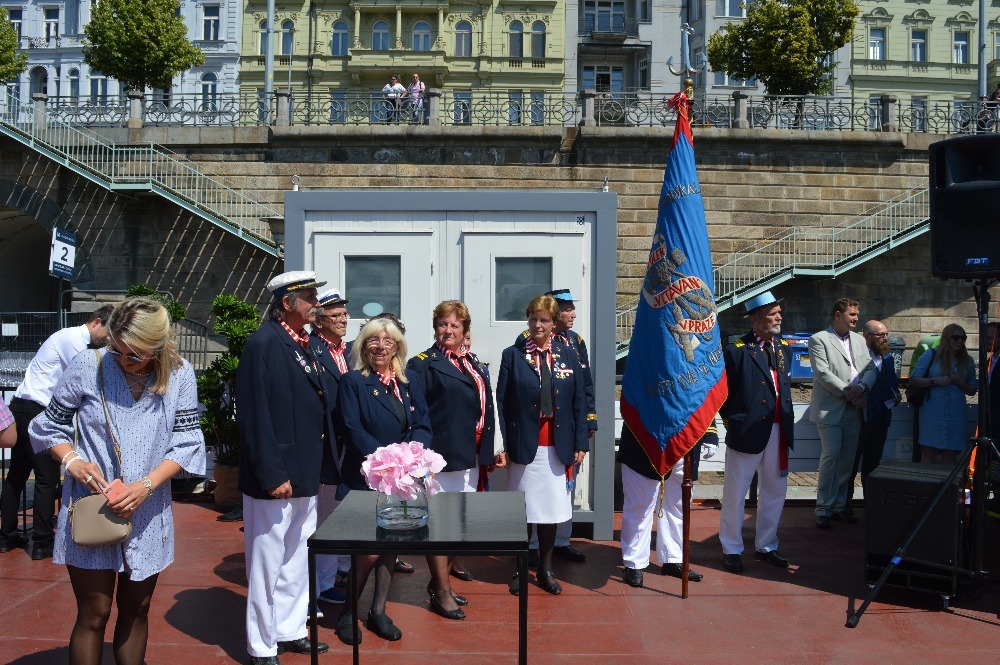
(960, 338)
(884, 335)
(127, 356)
(344, 315)
(374, 343)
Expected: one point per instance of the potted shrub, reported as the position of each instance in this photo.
(235, 320)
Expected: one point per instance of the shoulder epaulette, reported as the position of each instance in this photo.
(526, 334)
(421, 356)
(784, 343)
(738, 343)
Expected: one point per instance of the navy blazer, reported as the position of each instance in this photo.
(280, 413)
(517, 404)
(453, 403)
(369, 421)
(330, 377)
(579, 347)
(748, 412)
(875, 413)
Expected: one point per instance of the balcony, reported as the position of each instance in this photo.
(608, 27)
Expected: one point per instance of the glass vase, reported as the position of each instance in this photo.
(396, 514)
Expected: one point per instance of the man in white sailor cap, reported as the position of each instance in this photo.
(287, 452)
(332, 351)
(759, 432)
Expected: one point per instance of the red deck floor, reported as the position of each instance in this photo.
(766, 615)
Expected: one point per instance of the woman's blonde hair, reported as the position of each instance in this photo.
(545, 304)
(359, 360)
(946, 358)
(144, 326)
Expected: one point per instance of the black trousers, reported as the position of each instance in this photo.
(23, 461)
(871, 446)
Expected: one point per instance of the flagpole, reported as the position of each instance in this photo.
(686, 486)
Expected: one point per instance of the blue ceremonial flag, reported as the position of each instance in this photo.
(675, 377)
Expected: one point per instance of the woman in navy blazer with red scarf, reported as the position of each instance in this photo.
(380, 403)
(543, 418)
(460, 402)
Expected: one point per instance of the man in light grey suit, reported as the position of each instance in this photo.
(842, 375)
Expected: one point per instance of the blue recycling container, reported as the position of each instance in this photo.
(799, 345)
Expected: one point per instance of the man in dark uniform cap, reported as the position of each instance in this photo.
(759, 432)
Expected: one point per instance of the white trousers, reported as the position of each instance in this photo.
(771, 484)
(642, 498)
(275, 532)
(327, 565)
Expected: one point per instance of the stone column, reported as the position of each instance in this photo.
(439, 42)
(357, 28)
(740, 108)
(587, 117)
(887, 104)
(135, 99)
(39, 100)
(399, 27)
(284, 101)
(434, 112)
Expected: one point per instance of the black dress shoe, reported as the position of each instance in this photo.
(675, 570)
(772, 558)
(264, 660)
(39, 552)
(514, 586)
(632, 577)
(382, 625)
(461, 600)
(848, 510)
(457, 614)
(733, 563)
(463, 575)
(569, 553)
(345, 629)
(844, 516)
(14, 542)
(822, 522)
(302, 645)
(532, 558)
(547, 580)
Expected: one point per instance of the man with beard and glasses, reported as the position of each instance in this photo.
(759, 433)
(882, 397)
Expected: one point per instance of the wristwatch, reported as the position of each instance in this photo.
(147, 483)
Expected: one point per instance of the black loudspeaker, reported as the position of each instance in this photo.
(965, 207)
(897, 494)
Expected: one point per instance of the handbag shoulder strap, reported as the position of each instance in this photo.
(107, 415)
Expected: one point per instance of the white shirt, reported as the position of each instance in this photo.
(50, 362)
(392, 91)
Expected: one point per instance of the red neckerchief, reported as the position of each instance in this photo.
(459, 360)
(389, 381)
(536, 354)
(337, 351)
(301, 337)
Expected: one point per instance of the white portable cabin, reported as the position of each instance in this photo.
(404, 251)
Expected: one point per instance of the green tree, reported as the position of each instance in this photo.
(786, 44)
(176, 310)
(12, 62)
(142, 43)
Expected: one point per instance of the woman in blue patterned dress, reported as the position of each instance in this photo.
(152, 410)
(950, 373)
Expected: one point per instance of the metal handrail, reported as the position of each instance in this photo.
(822, 251)
(150, 167)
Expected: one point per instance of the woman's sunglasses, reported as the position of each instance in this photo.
(127, 356)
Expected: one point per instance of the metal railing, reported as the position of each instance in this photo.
(131, 167)
(813, 251)
(608, 24)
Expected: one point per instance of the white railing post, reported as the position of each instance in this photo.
(135, 103)
(39, 100)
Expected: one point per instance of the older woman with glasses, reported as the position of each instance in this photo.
(543, 418)
(380, 403)
(950, 374)
(136, 409)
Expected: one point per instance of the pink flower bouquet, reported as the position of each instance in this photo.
(400, 469)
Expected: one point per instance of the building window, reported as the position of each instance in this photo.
(98, 88)
(341, 38)
(16, 16)
(210, 23)
(960, 52)
(263, 37)
(725, 79)
(463, 39)
(380, 36)
(996, 46)
(338, 107)
(874, 112)
(642, 74)
(515, 100)
(694, 12)
(421, 36)
(731, 8)
(374, 280)
(462, 109)
(516, 40)
(51, 28)
(537, 39)
(918, 46)
(876, 44)
(604, 79)
(287, 38)
(537, 110)
(517, 281)
(74, 86)
(209, 92)
(604, 16)
(161, 96)
(918, 114)
(645, 14)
